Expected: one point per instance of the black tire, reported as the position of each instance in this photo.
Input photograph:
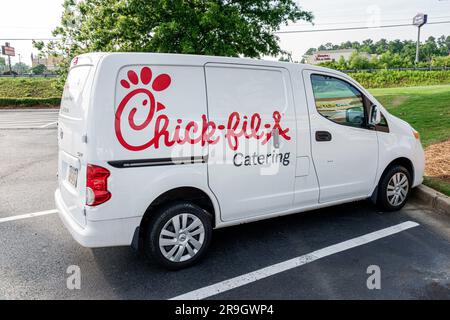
(161, 218)
(385, 202)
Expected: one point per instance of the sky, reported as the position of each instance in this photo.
(37, 18)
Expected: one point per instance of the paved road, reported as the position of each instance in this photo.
(36, 252)
(25, 119)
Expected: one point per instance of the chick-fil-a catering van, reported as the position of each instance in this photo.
(157, 150)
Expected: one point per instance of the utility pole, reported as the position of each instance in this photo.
(419, 20)
(20, 64)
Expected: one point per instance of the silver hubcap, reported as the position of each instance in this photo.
(182, 237)
(397, 189)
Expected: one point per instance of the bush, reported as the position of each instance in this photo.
(441, 61)
(39, 69)
(29, 91)
(391, 78)
(29, 101)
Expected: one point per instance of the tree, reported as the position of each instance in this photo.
(429, 48)
(342, 64)
(368, 46)
(310, 51)
(381, 46)
(358, 62)
(21, 67)
(393, 54)
(39, 69)
(209, 27)
(2, 65)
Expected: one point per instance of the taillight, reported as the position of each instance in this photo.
(97, 185)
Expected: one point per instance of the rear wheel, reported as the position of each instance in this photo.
(394, 188)
(179, 235)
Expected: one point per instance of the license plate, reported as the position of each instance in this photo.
(73, 176)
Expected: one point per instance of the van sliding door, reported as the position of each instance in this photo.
(251, 166)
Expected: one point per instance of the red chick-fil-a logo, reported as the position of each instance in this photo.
(193, 132)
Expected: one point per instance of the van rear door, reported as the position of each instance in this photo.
(71, 138)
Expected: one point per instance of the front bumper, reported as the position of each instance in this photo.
(95, 234)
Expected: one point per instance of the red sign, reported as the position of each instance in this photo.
(8, 51)
(322, 57)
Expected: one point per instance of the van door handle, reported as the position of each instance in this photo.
(323, 136)
(276, 138)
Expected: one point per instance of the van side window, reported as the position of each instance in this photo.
(338, 101)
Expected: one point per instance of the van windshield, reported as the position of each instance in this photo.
(73, 89)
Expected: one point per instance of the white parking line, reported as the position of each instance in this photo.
(48, 124)
(250, 277)
(28, 215)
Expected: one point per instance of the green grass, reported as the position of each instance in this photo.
(29, 91)
(427, 109)
(440, 185)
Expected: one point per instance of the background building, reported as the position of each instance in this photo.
(51, 62)
(333, 55)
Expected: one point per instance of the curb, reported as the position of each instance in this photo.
(432, 198)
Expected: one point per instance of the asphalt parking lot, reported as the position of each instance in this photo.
(35, 252)
(24, 119)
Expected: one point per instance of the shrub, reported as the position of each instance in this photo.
(392, 78)
(29, 91)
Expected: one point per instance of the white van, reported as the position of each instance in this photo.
(156, 150)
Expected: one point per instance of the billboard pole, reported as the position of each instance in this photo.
(417, 46)
(419, 20)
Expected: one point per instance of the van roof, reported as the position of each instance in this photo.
(190, 59)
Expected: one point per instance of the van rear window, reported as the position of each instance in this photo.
(74, 87)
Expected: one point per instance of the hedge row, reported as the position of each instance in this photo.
(30, 101)
(29, 92)
(390, 78)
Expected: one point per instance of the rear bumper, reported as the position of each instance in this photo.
(95, 234)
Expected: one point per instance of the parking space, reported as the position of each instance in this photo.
(26, 119)
(35, 252)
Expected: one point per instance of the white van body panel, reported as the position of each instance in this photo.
(129, 98)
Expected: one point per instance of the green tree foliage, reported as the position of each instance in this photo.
(39, 69)
(207, 27)
(21, 67)
(389, 54)
(2, 65)
(441, 61)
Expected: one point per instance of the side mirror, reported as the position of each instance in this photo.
(375, 115)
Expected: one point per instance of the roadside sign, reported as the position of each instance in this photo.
(8, 51)
(420, 19)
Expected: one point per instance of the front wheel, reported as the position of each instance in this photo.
(394, 188)
(179, 235)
